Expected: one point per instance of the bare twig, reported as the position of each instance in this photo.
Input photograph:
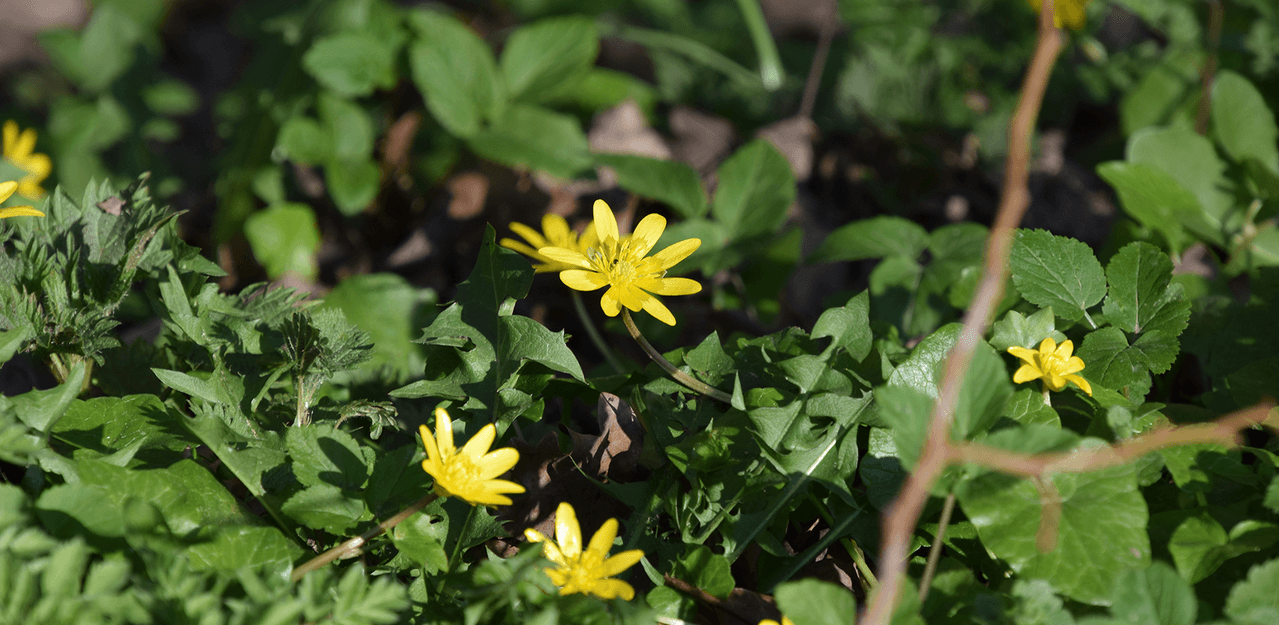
(815, 71)
(903, 514)
(353, 546)
(934, 552)
(1209, 71)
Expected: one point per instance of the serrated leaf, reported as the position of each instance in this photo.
(1018, 330)
(41, 410)
(877, 237)
(673, 183)
(1138, 276)
(1111, 362)
(234, 547)
(1243, 123)
(815, 602)
(1254, 600)
(1056, 271)
(323, 455)
(549, 57)
(537, 138)
(109, 424)
(351, 64)
(13, 340)
(1027, 407)
(756, 187)
(1101, 532)
(456, 73)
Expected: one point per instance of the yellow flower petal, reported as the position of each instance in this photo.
(678, 286)
(581, 280)
(655, 307)
(534, 237)
(646, 234)
(611, 588)
(1026, 373)
(566, 256)
(620, 562)
(676, 252)
(556, 228)
(19, 211)
(609, 303)
(1021, 352)
(468, 473)
(605, 222)
(567, 531)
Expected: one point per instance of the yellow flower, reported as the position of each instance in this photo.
(468, 474)
(621, 263)
(555, 233)
(769, 621)
(589, 571)
(18, 150)
(1068, 12)
(1052, 363)
(6, 190)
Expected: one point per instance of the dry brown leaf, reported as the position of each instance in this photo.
(701, 140)
(794, 138)
(469, 190)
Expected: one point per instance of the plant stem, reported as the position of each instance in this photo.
(353, 546)
(770, 64)
(594, 333)
(456, 556)
(680, 376)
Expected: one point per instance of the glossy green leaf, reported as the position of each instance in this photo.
(350, 64)
(456, 73)
(323, 455)
(876, 237)
(109, 424)
(326, 507)
(532, 137)
(848, 326)
(1102, 530)
(706, 570)
(815, 602)
(549, 57)
(1243, 123)
(1056, 271)
(1111, 362)
(1027, 407)
(1190, 159)
(285, 239)
(670, 182)
(234, 547)
(41, 410)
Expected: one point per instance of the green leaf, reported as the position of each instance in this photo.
(1243, 123)
(537, 138)
(1111, 362)
(285, 239)
(421, 538)
(477, 350)
(756, 187)
(13, 340)
(1158, 94)
(1138, 275)
(1254, 600)
(706, 570)
(1102, 529)
(906, 411)
(326, 507)
(848, 326)
(234, 547)
(323, 455)
(348, 125)
(109, 424)
(815, 602)
(41, 410)
(1016, 330)
(673, 183)
(1027, 407)
(392, 324)
(456, 73)
(107, 47)
(982, 397)
(1191, 543)
(352, 183)
(187, 495)
(1156, 200)
(350, 64)
(549, 57)
(919, 370)
(1154, 595)
(1056, 271)
(304, 140)
(1190, 159)
(877, 237)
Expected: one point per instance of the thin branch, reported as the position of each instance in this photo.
(903, 515)
(815, 71)
(1209, 71)
(934, 552)
(353, 546)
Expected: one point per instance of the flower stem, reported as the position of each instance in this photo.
(456, 556)
(352, 547)
(594, 333)
(1047, 400)
(680, 376)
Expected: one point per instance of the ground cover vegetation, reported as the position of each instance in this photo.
(633, 311)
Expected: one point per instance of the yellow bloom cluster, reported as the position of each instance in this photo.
(1052, 363)
(18, 150)
(1069, 13)
(605, 258)
(470, 474)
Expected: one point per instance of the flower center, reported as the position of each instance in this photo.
(1052, 363)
